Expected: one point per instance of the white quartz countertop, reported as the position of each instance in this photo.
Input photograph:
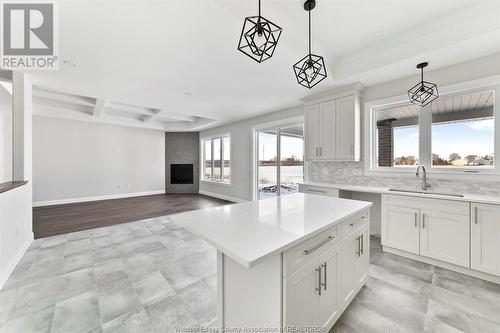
(488, 199)
(251, 231)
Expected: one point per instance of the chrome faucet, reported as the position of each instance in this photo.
(425, 185)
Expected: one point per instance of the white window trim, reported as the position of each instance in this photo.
(425, 151)
(259, 127)
(202, 164)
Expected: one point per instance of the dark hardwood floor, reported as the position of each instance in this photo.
(59, 219)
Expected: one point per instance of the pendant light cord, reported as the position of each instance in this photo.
(259, 9)
(309, 31)
(422, 74)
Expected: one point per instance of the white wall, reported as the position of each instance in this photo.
(15, 205)
(241, 154)
(76, 161)
(5, 136)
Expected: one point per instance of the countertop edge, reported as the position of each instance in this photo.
(252, 263)
(477, 198)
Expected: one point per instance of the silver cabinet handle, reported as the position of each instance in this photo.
(315, 191)
(416, 219)
(357, 222)
(316, 151)
(324, 277)
(319, 280)
(320, 151)
(352, 149)
(423, 221)
(358, 246)
(362, 247)
(475, 215)
(317, 246)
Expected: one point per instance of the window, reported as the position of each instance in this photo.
(463, 133)
(453, 133)
(6, 133)
(397, 135)
(216, 164)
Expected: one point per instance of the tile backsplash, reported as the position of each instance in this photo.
(353, 173)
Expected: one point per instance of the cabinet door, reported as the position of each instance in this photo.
(400, 228)
(345, 128)
(301, 296)
(445, 236)
(362, 263)
(348, 254)
(312, 132)
(327, 125)
(329, 309)
(485, 238)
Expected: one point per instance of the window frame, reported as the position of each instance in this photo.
(425, 133)
(212, 138)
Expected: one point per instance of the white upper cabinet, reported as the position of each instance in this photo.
(485, 238)
(313, 120)
(347, 131)
(327, 136)
(333, 129)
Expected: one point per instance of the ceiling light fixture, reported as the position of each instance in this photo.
(423, 92)
(259, 37)
(311, 69)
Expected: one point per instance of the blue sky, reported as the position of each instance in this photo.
(465, 138)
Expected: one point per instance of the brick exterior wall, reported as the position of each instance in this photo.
(385, 145)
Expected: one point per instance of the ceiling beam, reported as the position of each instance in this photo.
(99, 106)
(63, 97)
(170, 116)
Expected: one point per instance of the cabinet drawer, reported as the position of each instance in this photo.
(331, 192)
(441, 205)
(354, 223)
(301, 254)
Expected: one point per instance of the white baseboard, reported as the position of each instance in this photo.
(221, 196)
(96, 198)
(9, 268)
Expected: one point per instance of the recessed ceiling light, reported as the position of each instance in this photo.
(188, 93)
(378, 34)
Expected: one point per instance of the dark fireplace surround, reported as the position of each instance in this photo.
(181, 173)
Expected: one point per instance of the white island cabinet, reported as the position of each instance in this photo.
(292, 261)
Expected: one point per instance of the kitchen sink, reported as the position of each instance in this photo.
(448, 194)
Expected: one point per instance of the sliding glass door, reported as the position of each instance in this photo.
(280, 160)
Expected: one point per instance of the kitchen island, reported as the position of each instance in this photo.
(294, 261)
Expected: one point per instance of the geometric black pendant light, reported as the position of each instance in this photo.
(423, 92)
(311, 69)
(259, 37)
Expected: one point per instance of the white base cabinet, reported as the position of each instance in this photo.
(434, 228)
(458, 235)
(485, 238)
(308, 285)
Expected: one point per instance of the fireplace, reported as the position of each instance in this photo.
(181, 174)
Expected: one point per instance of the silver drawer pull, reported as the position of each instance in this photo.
(317, 246)
(319, 280)
(316, 191)
(325, 277)
(362, 247)
(357, 222)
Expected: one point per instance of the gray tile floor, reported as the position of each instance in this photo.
(153, 276)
